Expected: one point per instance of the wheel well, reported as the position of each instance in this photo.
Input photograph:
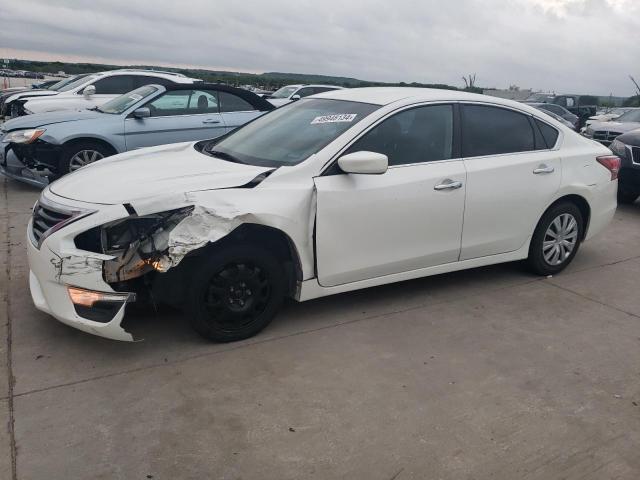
(582, 205)
(99, 141)
(272, 239)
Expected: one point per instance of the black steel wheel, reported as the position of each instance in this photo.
(235, 293)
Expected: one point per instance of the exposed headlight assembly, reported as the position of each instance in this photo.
(23, 136)
(136, 243)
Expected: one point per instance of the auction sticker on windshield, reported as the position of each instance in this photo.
(343, 117)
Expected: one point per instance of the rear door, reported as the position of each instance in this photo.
(176, 116)
(236, 111)
(512, 175)
(407, 218)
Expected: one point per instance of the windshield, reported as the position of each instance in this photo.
(289, 135)
(65, 81)
(123, 102)
(77, 82)
(284, 92)
(632, 116)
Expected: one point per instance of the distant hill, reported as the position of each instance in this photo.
(268, 80)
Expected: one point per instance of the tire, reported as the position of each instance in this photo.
(81, 153)
(557, 220)
(235, 293)
(625, 196)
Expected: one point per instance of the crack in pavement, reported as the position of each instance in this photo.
(7, 305)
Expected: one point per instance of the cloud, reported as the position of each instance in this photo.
(560, 45)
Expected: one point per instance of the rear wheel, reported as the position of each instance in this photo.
(556, 239)
(235, 293)
(82, 153)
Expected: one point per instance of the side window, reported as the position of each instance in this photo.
(115, 85)
(570, 102)
(422, 134)
(322, 89)
(233, 103)
(549, 133)
(305, 92)
(173, 102)
(203, 102)
(141, 80)
(494, 130)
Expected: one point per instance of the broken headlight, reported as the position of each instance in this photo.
(117, 237)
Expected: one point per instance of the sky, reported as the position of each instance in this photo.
(562, 46)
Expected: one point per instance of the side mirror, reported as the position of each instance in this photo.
(142, 112)
(295, 97)
(364, 162)
(89, 90)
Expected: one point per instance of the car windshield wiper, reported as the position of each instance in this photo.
(225, 156)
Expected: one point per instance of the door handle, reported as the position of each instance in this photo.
(448, 184)
(211, 120)
(543, 169)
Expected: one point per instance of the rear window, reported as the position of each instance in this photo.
(549, 133)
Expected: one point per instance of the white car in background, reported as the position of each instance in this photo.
(341, 191)
(291, 93)
(95, 89)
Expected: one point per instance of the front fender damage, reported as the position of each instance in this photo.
(170, 240)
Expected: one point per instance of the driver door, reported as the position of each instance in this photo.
(405, 219)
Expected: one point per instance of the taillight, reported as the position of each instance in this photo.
(611, 163)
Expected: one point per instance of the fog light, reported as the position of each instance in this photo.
(88, 298)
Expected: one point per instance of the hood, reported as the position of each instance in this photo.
(152, 172)
(631, 138)
(614, 126)
(47, 118)
(31, 93)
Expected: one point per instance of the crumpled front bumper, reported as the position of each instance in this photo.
(57, 264)
(12, 167)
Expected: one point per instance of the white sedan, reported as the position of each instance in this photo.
(341, 191)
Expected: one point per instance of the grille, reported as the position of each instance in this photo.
(635, 154)
(605, 136)
(44, 219)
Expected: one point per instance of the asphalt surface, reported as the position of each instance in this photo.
(490, 373)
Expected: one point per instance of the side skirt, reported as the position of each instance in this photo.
(310, 289)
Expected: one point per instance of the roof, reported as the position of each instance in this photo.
(389, 95)
(174, 77)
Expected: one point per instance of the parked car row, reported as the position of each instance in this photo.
(86, 91)
(49, 145)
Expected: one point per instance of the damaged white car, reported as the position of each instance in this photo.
(336, 192)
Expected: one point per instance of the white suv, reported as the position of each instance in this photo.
(91, 91)
(337, 192)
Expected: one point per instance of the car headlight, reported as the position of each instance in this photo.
(618, 148)
(23, 136)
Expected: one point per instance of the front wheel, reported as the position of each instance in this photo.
(235, 293)
(79, 154)
(556, 239)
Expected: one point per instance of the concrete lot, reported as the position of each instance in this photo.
(490, 373)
